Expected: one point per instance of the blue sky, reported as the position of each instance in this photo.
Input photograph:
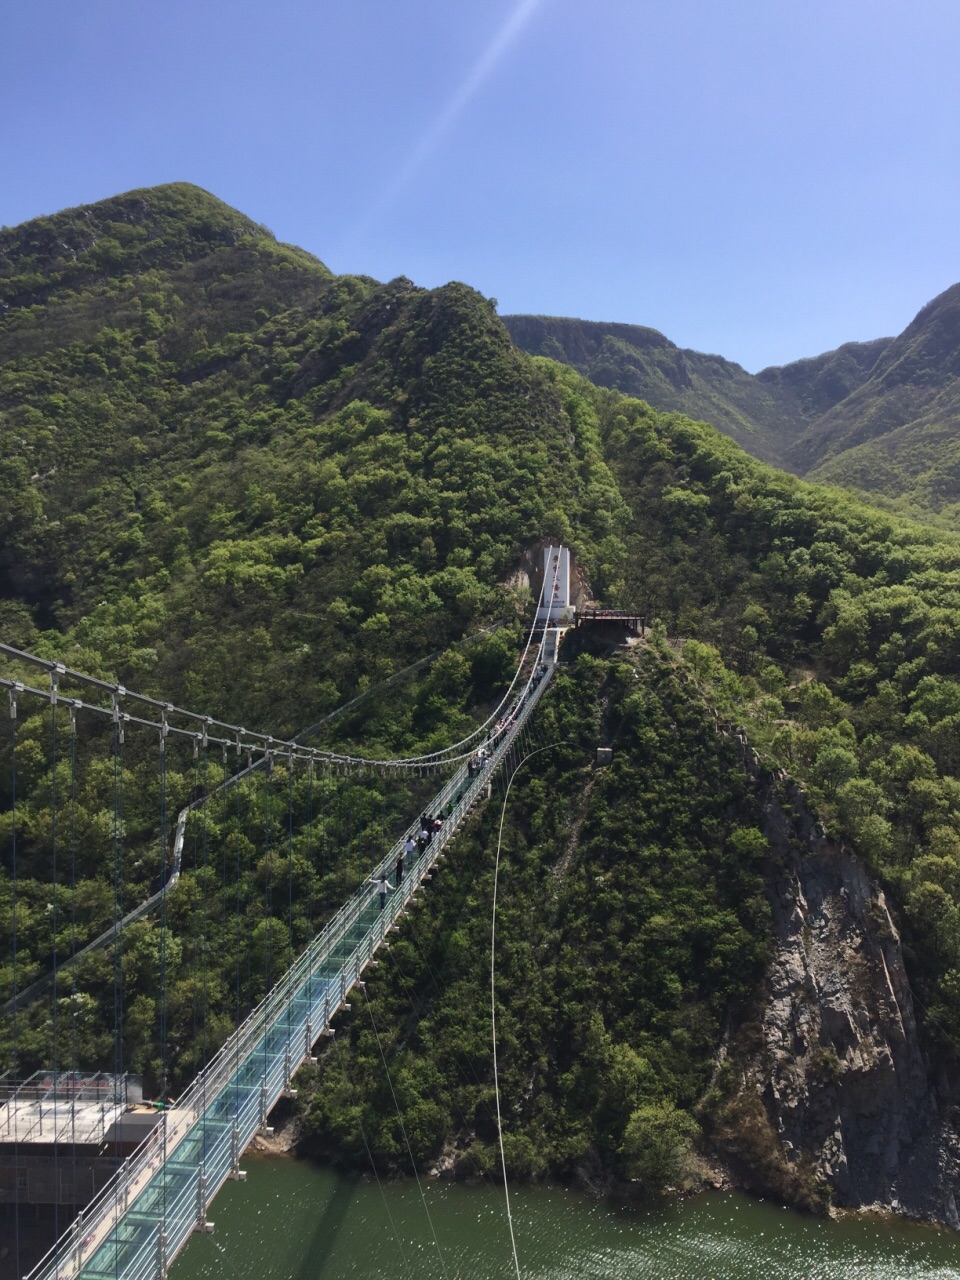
(760, 178)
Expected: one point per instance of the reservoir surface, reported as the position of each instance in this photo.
(292, 1220)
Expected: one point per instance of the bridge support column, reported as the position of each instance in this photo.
(201, 1225)
(288, 1089)
(236, 1174)
(263, 1106)
(327, 1029)
(308, 1046)
(161, 1255)
(78, 1241)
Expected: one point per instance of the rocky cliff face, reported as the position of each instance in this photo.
(839, 1067)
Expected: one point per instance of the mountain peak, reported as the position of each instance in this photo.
(138, 230)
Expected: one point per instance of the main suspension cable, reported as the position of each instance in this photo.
(267, 743)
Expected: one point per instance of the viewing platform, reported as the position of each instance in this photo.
(611, 618)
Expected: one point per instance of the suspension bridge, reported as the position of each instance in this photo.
(187, 1148)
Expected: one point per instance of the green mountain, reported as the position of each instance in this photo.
(208, 422)
(765, 413)
(879, 416)
(643, 363)
(897, 433)
(233, 479)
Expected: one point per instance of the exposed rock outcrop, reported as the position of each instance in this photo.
(839, 1067)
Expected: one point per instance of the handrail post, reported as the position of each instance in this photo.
(201, 1196)
(78, 1241)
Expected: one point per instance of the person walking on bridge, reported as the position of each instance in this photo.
(408, 850)
(383, 888)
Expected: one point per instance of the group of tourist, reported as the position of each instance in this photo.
(430, 824)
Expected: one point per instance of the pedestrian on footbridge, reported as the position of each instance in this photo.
(408, 850)
(400, 857)
(383, 888)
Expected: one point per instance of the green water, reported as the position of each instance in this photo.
(293, 1221)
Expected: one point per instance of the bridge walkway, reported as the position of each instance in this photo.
(142, 1219)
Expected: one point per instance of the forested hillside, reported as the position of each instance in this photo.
(632, 924)
(880, 416)
(763, 413)
(213, 448)
(898, 432)
(233, 479)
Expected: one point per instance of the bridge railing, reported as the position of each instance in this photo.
(140, 1220)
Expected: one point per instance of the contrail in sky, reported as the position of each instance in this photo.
(448, 117)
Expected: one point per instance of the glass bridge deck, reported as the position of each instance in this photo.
(140, 1221)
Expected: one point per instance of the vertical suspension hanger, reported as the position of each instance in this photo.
(238, 936)
(55, 673)
(309, 855)
(223, 820)
(119, 718)
(75, 706)
(13, 693)
(204, 743)
(194, 908)
(164, 731)
(324, 815)
(118, 761)
(163, 1033)
(290, 947)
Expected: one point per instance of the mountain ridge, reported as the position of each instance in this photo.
(882, 415)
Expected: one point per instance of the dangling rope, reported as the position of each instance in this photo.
(403, 1130)
(493, 1001)
(383, 1197)
(422, 1009)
